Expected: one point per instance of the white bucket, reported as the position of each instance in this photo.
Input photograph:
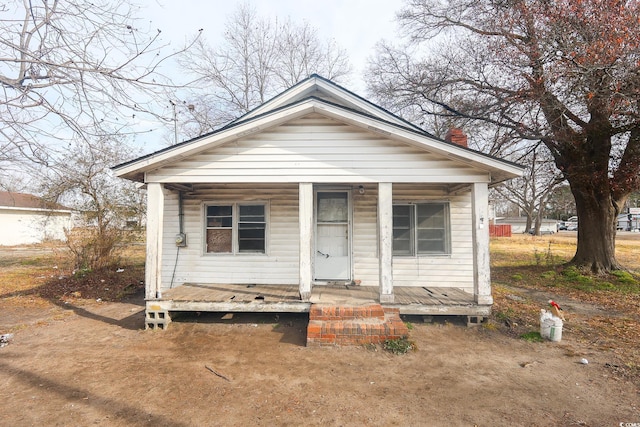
(550, 327)
(555, 331)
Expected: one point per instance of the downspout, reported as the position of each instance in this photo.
(181, 212)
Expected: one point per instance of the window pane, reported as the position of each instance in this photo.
(401, 216)
(332, 207)
(431, 216)
(251, 238)
(253, 213)
(402, 230)
(219, 210)
(401, 246)
(219, 240)
(251, 229)
(432, 228)
(434, 234)
(431, 246)
(219, 216)
(219, 222)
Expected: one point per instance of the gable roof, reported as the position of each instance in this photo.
(316, 86)
(10, 199)
(319, 95)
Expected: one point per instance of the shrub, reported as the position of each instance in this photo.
(548, 275)
(399, 346)
(532, 336)
(624, 277)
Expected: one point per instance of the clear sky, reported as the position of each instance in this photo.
(356, 25)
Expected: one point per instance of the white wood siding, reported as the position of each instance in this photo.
(279, 266)
(455, 270)
(365, 236)
(281, 263)
(320, 150)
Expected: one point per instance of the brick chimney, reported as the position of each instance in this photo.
(456, 136)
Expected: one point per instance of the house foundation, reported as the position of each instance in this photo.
(156, 317)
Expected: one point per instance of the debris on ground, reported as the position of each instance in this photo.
(4, 339)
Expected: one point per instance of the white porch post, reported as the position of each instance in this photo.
(155, 220)
(385, 233)
(480, 222)
(305, 209)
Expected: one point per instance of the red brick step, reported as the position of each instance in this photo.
(353, 325)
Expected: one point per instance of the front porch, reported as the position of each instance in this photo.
(286, 298)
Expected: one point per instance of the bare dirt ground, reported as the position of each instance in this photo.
(84, 363)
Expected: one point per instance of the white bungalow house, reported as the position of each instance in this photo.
(27, 219)
(316, 194)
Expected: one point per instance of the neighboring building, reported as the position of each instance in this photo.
(27, 219)
(628, 222)
(318, 187)
(519, 225)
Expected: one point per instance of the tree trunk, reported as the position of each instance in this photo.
(538, 223)
(596, 229)
(528, 224)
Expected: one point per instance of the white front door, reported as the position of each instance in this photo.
(332, 260)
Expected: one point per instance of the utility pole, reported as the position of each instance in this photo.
(175, 122)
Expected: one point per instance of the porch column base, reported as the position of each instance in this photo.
(305, 296)
(484, 299)
(387, 298)
(156, 317)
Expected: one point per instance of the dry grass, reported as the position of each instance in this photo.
(31, 276)
(527, 271)
(24, 271)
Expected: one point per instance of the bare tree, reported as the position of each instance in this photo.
(72, 70)
(561, 203)
(531, 191)
(300, 53)
(257, 59)
(109, 210)
(565, 73)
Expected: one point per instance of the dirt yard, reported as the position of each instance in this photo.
(85, 362)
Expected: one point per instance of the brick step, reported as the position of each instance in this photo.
(349, 325)
(332, 312)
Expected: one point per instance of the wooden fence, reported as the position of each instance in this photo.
(500, 230)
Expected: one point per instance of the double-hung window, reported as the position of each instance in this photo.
(236, 228)
(421, 229)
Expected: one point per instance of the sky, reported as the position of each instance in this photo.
(356, 25)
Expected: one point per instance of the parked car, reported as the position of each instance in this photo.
(571, 224)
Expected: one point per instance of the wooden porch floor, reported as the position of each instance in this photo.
(283, 298)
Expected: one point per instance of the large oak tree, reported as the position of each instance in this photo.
(564, 72)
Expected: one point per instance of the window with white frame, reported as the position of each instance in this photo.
(421, 229)
(236, 228)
